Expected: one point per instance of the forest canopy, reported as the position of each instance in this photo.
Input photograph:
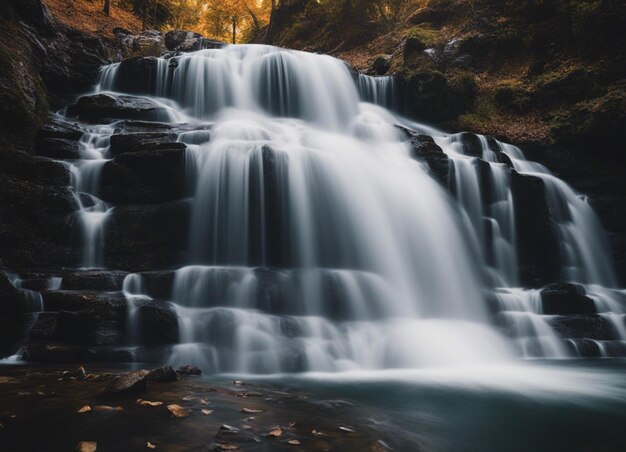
(239, 21)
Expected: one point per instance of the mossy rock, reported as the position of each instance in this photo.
(413, 46)
(427, 36)
(599, 122)
(566, 85)
(512, 96)
(381, 65)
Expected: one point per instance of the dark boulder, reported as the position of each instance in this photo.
(188, 41)
(149, 176)
(129, 383)
(40, 170)
(138, 142)
(565, 299)
(381, 65)
(164, 374)
(59, 128)
(411, 48)
(424, 149)
(58, 148)
(155, 235)
(137, 76)
(100, 107)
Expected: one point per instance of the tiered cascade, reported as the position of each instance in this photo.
(323, 232)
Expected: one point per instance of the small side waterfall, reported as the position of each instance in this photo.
(93, 214)
(583, 243)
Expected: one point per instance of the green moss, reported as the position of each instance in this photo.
(512, 95)
(583, 13)
(594, 121)
(427, 36)
(567, 84)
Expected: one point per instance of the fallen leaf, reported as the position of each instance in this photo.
(206, 412)
(149, 445)
(251, 418)
(276, 433)
(293, 442)
(6, 379)
(346, 429)
(87, 446)
(316, 433)
(250, 411)
(85, 409)
(107, 408)
(221, 446)
(188, 398)
(204, 402)
(40, 393)
(23, 393)
(178, 411)
(148, 403)
(1, 425)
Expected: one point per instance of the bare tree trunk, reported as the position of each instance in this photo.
(234, 30)
(107, 7)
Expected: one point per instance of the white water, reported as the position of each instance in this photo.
(93, 214)
(318, 243)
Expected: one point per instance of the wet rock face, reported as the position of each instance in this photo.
(424, 148)
(149, 176)
(63, 353)
(104, 280)
(564, 299)
(156, 234)
(594, 327)
(157, 324)
(103, 107)
(146, 141)
(538, 245)
(137, 76)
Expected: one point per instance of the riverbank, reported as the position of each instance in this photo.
(66, 407)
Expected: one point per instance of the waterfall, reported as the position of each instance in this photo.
(583, 243)
(319, 243)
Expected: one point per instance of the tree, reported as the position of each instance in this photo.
(234, 19)
(107, 7)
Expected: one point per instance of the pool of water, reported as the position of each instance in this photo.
(540, 406)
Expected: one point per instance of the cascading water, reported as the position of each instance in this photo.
(317, 241)
(93, 213)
